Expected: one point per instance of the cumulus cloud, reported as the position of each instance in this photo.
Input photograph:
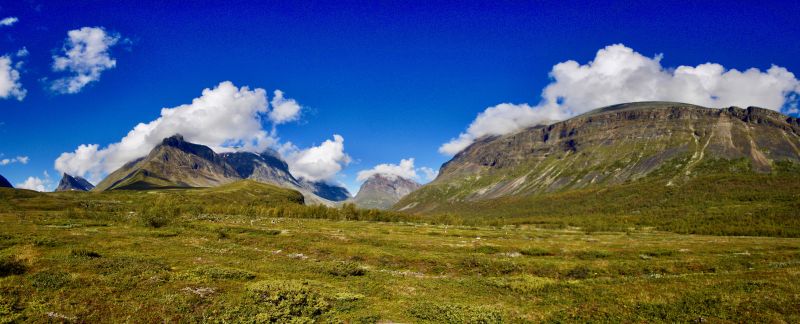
(316, 163)
(619, 74)
(8, 21)
(224, 118)
(405, 169)
(283, 109)
(10, 86)
(36, 183)
(429, 173)
(86, 56)
(19, 159)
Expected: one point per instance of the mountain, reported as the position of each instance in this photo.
(662, 143)
(268, 167)
(70, 183)
(4, 183)
(325, 190)
(176, 163)
(381, 191)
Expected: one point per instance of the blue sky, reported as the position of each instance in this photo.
(395, 79)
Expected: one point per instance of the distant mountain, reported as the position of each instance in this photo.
(70, 183)
(659, 142)
(266, 167)
(381, 191)
(4, 183)
(325, 190)
(176, 163)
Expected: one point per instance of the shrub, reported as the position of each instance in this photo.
(11, 266)
(50, 280)
(82, 253)
(579, 272)
(487, 249)
(451, 313)
(286, 301)
(521, 284)
(590, 255)
(153, 219)
(344, 269)
(536, 252)
(217, 273)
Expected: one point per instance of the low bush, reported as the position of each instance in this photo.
(282, 301)
(217, 273)
(452, 313)
(343, 269)
(83, 253)
(11, 266)
(536, 252)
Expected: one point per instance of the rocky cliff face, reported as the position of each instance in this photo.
(612, 145)
(4, 183)
(70, 183)
(382, 191)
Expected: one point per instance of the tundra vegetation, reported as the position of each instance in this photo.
(248, 251)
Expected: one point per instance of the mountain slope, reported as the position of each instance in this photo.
(174, 163)
(669, 142)
(70, 183)
(4, 183)
(382, 191)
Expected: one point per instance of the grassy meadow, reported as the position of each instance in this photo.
(249, 252)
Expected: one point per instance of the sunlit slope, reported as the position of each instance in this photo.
(658, 145)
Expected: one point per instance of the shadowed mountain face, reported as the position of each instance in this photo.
(176, 163)
(325, 190)
(611, 146)
(4, 183)
(70, 183)
(382, 191)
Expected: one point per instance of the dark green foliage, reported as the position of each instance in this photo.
(579, 272)
(343, 269)
(536, 252)
(280, 301)
(451, 313)
(11, 266)
(590, 255)
(217, 273)
(50, 280)
(82, 253)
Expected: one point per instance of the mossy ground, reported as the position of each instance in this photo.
(89, 257)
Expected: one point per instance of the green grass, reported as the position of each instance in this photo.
(232, 254)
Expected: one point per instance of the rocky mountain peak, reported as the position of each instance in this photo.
(70, 183)
(381, 191)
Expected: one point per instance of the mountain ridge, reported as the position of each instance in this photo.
(608, 146)
(381, 191)
(70, 183)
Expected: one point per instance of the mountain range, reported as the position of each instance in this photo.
(665, 142)
(176, 163)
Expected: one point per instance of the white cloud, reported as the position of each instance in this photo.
(86, 56)
(36, 183)
(317, 163)
(405, 169)
(283, 110)
(9, 80)
(19, 159)
(224, 118)
(429, 173)
(618, 74)
(23, 52)
(8, 21)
